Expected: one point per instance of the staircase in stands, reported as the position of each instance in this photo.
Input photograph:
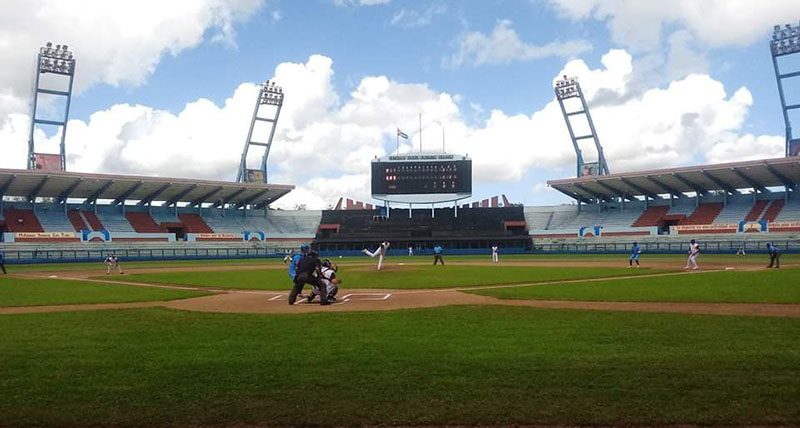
(704, 214)
(22, 221)
(651, 217)
(143, 223)
(774, 209)
(194, 223)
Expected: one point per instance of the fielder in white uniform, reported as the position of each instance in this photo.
(495, 257)
(111, 262)
(380, 252)
(694, 251)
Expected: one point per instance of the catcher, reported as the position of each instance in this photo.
(328, 279)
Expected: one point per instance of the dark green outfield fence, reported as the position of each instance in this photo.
(710, 246)
(28, 256)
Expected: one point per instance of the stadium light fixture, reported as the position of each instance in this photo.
(567, 87)
(785, 40)
(272, 94)
(56, 60)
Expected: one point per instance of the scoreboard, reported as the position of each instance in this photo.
(422, 178)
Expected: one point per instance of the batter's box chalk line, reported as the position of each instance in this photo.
(366, 296)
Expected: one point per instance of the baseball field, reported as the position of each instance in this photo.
(531, 341)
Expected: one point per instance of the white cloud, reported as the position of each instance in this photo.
(324, 145)
(747, 147)
(540, 187)
(344, 3)
(114, 42)
(682, 59)
(504, 46)
(407, 18)
(639, 24)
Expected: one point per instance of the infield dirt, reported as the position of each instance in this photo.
(227, 300)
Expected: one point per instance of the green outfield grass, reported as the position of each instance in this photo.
(38, 292)
(442, 366)
(99, 265)
(678, 259)
(397, 277)
(763, 286)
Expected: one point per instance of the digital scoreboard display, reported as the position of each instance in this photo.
(422, 175)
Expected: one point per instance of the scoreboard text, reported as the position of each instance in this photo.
(421, 177)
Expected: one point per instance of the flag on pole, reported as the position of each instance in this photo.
(402, 134)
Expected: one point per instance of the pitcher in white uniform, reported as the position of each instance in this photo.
(380, 252)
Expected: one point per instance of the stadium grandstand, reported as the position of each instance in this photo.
(62, 212)
(58, 215)
(740, 201)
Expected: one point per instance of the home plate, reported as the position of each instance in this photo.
(730, 268)
(53, 276)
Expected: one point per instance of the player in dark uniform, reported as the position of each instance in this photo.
(3, 262)
(308, 272)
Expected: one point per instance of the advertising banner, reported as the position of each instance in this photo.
(254, 176)
(45, 235)
(753, 226)
(590, 168)
(590, 231)
(219, 235)
(47, 162)
(794, 148)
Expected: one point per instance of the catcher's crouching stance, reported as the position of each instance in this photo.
(328, 280)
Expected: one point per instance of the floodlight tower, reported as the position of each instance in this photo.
(565, 89)
(56, 60)
(270, 94)
(786, 41)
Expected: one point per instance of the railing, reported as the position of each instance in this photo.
(714, 247)
(129, 254)
(141, 254)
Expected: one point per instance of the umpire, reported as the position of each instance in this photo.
(308, 271)
(437, 255)
(774, 255)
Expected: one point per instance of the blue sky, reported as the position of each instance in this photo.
(484, 68)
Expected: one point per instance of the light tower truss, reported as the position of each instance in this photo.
(57, 61)
(786, 41)
(267, 109)
(568, 88)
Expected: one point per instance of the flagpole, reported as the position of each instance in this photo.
(420, 132)
(398, 141)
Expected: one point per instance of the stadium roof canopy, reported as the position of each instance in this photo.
(119, 188)
(725, 177)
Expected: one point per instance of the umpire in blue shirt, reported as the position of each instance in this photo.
(774, 255)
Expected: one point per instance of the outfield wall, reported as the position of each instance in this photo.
(671, 247)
